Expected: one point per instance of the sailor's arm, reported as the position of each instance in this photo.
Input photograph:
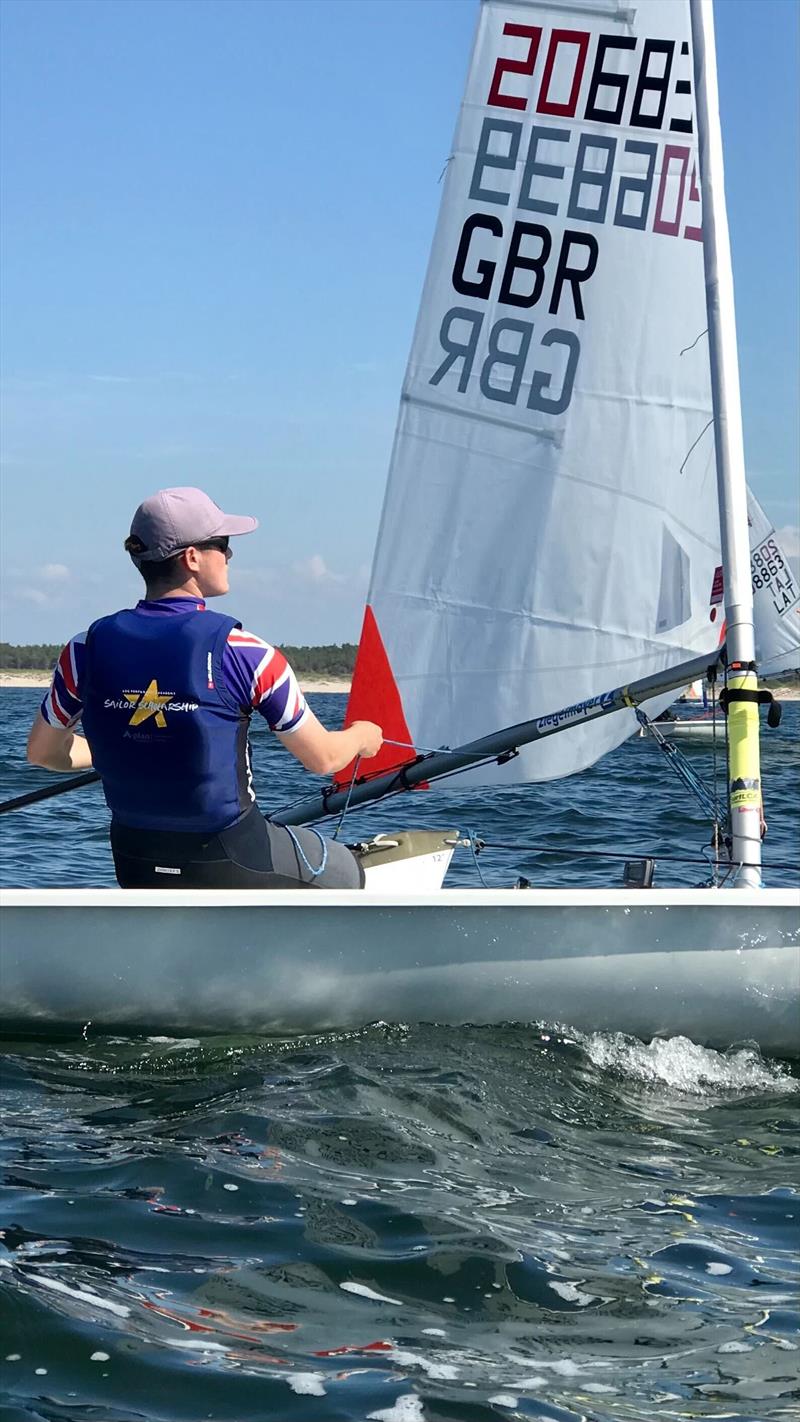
(323, 752)
(54, 742)
(261, 675)
(57, 747)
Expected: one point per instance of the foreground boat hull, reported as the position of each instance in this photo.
(719, 966)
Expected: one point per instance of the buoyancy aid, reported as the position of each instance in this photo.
(167, 737)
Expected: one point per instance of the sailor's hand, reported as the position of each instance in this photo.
(371, 738)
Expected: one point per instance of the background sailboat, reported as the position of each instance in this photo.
(776, 620)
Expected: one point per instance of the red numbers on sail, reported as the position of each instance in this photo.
(623, 81)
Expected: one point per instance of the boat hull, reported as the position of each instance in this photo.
(690, 729)
(719, 966)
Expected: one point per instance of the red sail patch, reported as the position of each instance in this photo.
(374, 697)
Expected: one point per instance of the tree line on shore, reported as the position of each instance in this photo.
(333, 660)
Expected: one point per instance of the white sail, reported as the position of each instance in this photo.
(551, 527)
(776, 596)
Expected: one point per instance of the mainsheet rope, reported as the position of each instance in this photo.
(708, 801)
(678, 762)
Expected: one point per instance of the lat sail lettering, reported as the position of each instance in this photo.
(772, 573)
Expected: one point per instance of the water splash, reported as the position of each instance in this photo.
(683, 1065)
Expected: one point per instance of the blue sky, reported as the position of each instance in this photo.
(216, 217)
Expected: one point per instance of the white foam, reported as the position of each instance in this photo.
(366, 1293)
(196, 1345)
(571, 1293)
(714, 1266)
(503, 1399)
(99, 1358)
(307, 1384)
(406, 1408)
(680, 1063)
(443, 1372)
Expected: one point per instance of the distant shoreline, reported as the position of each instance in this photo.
(41, 679)
(312, 684)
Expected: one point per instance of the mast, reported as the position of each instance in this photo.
(744, 773)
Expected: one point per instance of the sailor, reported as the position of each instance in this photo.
(165, 692)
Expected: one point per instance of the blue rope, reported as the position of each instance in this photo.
(473, 840)
(680, 765)
(346, 805)
(315, 873)
(403, 745)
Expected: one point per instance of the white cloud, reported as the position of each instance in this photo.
(54, 572)
(29, 594)
(316, 570)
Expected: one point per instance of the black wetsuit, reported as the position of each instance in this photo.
(251, 854)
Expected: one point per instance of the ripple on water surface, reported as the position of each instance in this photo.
(438, 1224)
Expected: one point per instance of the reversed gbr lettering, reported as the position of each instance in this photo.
(501, 360)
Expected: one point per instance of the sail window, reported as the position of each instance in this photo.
(675, 594)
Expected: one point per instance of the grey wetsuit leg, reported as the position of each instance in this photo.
(342, 869)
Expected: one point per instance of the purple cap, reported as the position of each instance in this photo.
(174, 519)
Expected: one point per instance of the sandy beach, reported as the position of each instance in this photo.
(42, 679)
(307, 684)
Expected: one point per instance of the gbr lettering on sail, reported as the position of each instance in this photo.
(578, 139)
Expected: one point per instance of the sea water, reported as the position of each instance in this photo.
(406, 1222)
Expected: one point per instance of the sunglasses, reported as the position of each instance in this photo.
(221, 545)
